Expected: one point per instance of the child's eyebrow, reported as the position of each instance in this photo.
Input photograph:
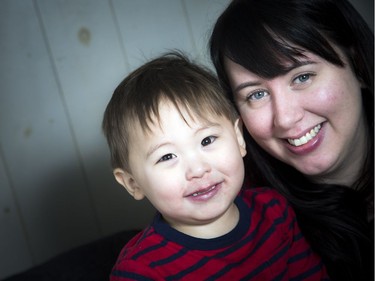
(206, 125)
(156, 147)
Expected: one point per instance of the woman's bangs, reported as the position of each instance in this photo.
(263, 55)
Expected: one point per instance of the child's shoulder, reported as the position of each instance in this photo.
(141, 240)
(262, 193)
(264, 196)
(136, 239)
(133, 258)
(269, 206)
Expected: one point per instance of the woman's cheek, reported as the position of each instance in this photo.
(256, 123)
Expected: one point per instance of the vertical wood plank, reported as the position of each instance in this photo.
(366, 9)
(38, 148)
(149, 28)
(90, 62)
(201, 17)
(13, 242)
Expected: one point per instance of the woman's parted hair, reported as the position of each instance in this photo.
(264, 36)
(172, 78)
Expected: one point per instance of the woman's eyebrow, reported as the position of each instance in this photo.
(288, 69)
(298, 64)
(245, 85)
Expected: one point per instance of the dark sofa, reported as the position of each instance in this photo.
(88, 262)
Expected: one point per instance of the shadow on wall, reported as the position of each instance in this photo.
(71, 210)
(366, 9)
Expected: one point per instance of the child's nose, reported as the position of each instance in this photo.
(197, 168)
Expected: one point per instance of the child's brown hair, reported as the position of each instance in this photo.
(170, 78)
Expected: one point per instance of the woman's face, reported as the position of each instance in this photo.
(310, 118)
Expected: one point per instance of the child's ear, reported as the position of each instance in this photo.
(127, 180)
(241, 141)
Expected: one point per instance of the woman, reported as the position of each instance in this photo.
(300, 73)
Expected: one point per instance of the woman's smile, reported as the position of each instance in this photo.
(306, 138)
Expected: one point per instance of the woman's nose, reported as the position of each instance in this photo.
(197, 167)
(287, 110)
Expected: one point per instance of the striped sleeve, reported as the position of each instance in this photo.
(128, 266)
(303, 263)
(133, 270)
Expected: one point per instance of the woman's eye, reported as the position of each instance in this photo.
(208, 140)
(257, 95)
(166, 157)
(302, 78)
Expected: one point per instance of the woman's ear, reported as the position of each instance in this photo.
(238, 127)
(127, 180)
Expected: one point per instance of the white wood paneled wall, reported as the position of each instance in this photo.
(60, 61)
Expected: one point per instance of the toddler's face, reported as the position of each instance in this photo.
(190, 171)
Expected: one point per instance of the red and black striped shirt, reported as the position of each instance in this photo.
(266, 244)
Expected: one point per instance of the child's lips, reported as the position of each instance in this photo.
(203, 191)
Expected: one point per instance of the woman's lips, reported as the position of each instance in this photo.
(307, 143)
(307, 137)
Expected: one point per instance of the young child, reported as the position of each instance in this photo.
(176, 140)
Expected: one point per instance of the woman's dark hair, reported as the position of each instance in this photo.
(263, 36)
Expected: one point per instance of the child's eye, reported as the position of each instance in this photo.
(302, 78)
(208, 140)
(166, 157)
(257, 95)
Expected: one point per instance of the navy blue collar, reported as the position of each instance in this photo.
(194, 243)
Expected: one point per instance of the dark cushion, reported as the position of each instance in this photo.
(92, 261)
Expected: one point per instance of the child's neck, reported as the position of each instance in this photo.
(216, 228)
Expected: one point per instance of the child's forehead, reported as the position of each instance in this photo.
(159, 126)
(168, 112)
(191, 116)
